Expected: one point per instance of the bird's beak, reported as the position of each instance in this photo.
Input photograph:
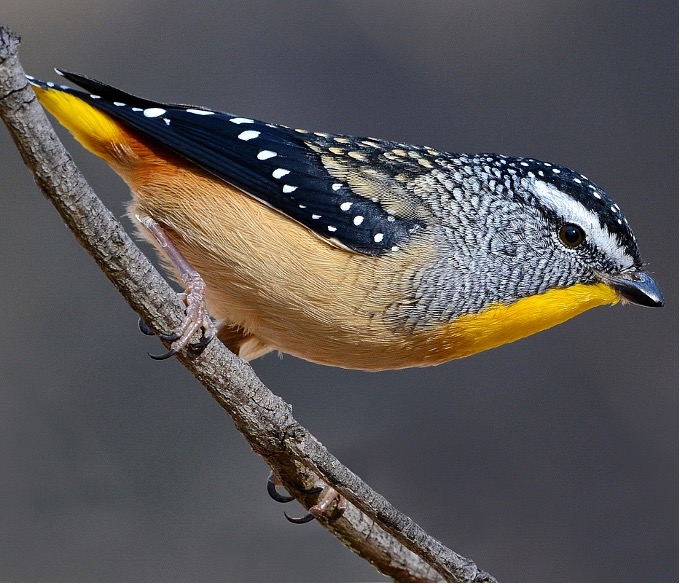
(634, 285)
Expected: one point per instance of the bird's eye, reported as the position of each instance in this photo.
(571, 235)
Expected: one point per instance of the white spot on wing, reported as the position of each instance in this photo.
(280, 172)
(265, 154)
(289, 188)
(358, 220)
(378, 237)
(153, 112)
(346, 206)
(248, 135)
(241, 121)
(199, 112)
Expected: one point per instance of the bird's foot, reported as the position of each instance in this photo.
(316, 511)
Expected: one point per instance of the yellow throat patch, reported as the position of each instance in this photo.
(500, 324)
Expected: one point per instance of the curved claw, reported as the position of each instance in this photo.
(203, 342)
(316, 511)
(300, 520)
(319, 510)
(312, 491)
(274, 494)
(195, 348)
(144, 328)
(164, 356)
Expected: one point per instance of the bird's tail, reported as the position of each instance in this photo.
(94, 129)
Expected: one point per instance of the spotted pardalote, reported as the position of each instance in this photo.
(354, 252)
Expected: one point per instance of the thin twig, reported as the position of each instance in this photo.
(371, 526)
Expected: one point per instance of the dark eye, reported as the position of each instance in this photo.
(571, 235)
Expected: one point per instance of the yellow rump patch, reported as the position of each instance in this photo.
(95, 130)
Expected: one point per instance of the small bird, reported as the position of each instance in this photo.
(348, 251)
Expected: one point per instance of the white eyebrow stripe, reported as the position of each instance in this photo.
(572, 211)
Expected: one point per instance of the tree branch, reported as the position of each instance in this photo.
(371, 526)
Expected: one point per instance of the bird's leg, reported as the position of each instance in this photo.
(196, 317)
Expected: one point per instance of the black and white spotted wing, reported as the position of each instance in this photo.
(270, 163)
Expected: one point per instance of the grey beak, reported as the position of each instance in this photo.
(636, 285)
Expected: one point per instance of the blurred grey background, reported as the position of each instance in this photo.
(554, 458)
